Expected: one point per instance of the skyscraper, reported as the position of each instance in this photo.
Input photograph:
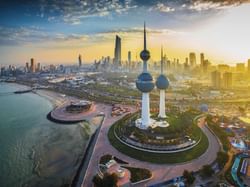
(162, 84)
(117, 58)
(202, 59)
(216, 79)
(80, 60)
(248, 65)
(38, 68)
(240, 67)
(145, 84)
(32, 65)
(223, 67)
(186, 60)
(192, 59)
(227, 80)
(129, 59)
(27, 67)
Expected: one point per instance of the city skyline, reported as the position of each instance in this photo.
(55, 32)
(122, 120)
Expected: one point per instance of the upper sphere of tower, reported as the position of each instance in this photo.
(145, 55)
(162, 82)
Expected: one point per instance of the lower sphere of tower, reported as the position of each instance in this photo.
(145, 83)
(162, 82)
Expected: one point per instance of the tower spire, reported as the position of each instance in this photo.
(161, 60)
(145, 54)
(145, 40)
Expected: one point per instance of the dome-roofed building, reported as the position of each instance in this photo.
(162, 84)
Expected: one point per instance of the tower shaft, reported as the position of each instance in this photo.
(145, 113)
(162, 113)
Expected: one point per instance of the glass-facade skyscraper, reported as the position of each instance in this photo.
(117, 59)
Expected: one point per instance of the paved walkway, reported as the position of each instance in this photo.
(161, 172)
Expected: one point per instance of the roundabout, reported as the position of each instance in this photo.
(180, 142)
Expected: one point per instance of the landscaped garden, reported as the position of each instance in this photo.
(181, 126)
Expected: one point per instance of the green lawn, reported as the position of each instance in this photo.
(166, 158)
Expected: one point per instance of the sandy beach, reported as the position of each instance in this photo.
(56, 99)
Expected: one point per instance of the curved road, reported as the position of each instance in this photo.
(161, 172)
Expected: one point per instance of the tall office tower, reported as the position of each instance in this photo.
(240, 67)
(145, 84)
(168, 64)
(117, 58)
(216, 79)
(38, 68)
(206, 65)
(223, 67)
(192, 59)
(162, 84)
(248, 65)
(129, 59)
(186, 60)
(80, 60)
(32, 65)
(177, 61)
(228, 80)
(202, 59)
(27, 67)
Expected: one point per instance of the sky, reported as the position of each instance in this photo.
(57, 31)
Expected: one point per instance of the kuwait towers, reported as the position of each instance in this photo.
(145, 84)
(162, 84)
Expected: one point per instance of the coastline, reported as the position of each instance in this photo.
(57, 99)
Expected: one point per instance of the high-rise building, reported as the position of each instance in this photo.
(129, 59)
(223, 67)
(145, 84)
(38, 68)
(117, 58)
(27, 67)
(248, 65)
(162, 84)
(240, 67)
(228, 80)
(32, 65)
(206, 65)
(216, 79)
(80, 60)
(202, 59)
(192, 59)
(186, 60)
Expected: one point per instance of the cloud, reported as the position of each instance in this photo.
(139, 30)
(35, 36)
(212, 5)
(162, 8)
(74, 12)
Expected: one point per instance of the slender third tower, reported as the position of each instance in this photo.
(145, 84)
(162, 84)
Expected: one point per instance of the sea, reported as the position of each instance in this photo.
(33, 150)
